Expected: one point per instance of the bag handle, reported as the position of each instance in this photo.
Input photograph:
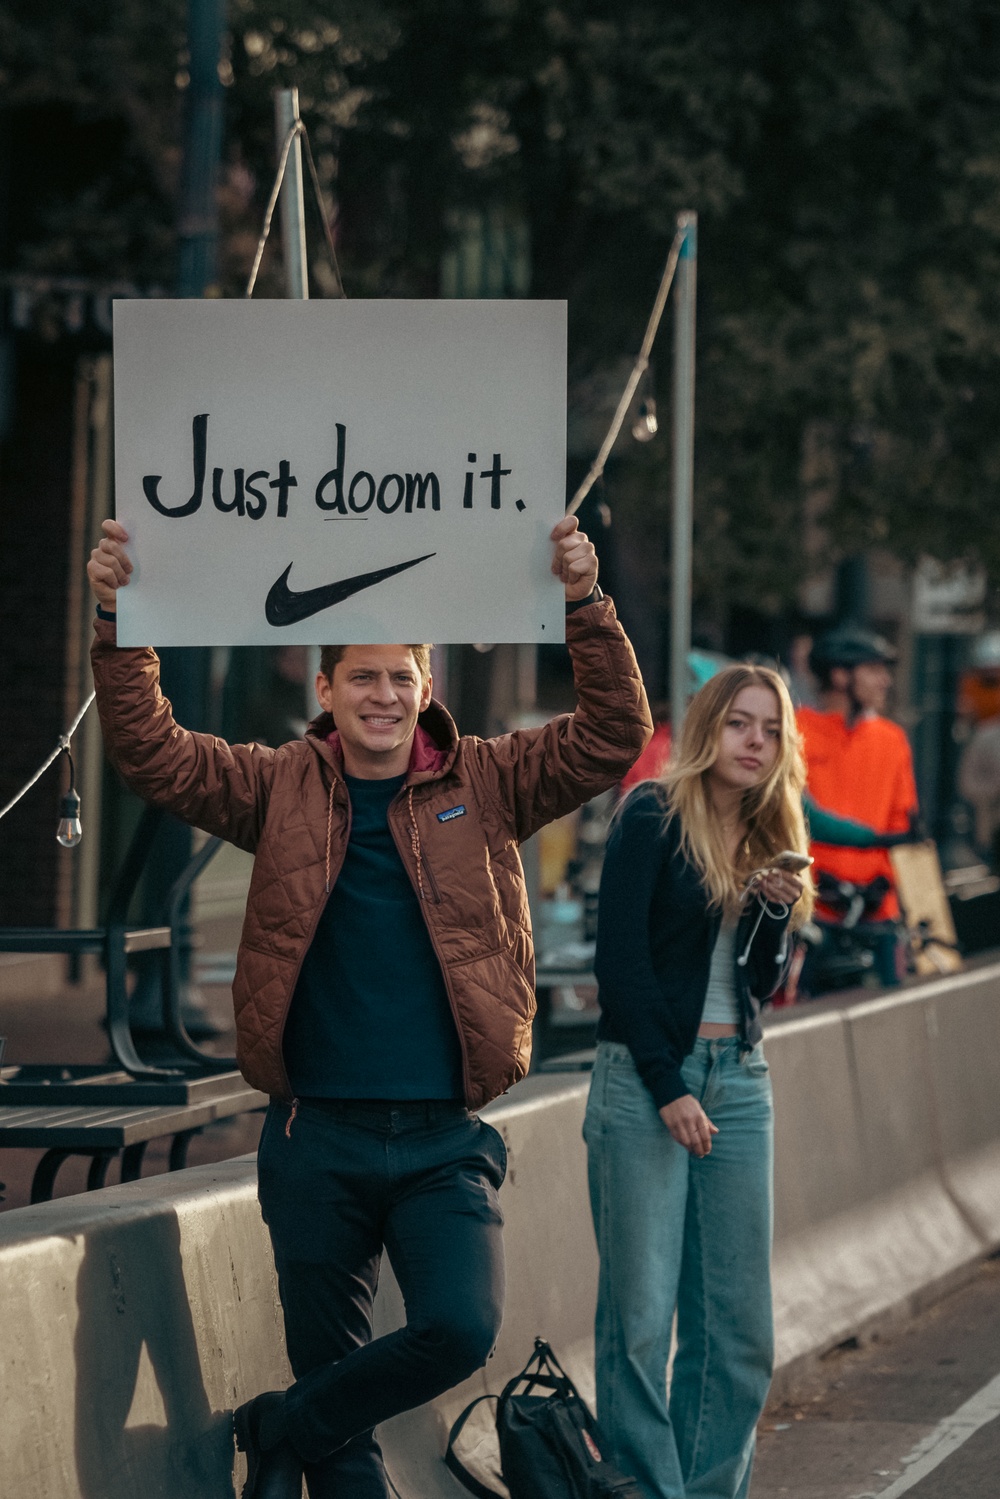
(544, 1354)
(454, 1463)
(557, 1381)
(548, 1374)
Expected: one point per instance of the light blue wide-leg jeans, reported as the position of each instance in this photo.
(677, 1233)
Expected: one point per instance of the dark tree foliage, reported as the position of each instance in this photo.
(844, 159)
(89, 136)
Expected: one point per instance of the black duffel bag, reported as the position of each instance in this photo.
(550, 1444)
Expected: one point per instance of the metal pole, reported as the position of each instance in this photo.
(184, 670)
(293, 208)
(683, 468)
(198, 229)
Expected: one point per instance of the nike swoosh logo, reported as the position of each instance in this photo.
(283, 607)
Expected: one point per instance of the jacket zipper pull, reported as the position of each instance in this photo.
(291, 1119)
(415, 846)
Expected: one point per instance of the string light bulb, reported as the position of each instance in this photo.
(70, 829)
(645, 426)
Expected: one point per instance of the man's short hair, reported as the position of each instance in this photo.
(331, 654)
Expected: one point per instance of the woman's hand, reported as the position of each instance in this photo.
(780, 886)
(689, 1124)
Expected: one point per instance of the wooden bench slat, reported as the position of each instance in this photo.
(93, 1127)
(41, 939)
(79, 939)
(146, 938)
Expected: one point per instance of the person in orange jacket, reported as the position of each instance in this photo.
(859, 765)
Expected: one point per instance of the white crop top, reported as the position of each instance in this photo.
(722, 1006)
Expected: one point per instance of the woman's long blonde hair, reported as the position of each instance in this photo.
(771, 810)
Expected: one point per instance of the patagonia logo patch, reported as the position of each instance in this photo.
(451, 814)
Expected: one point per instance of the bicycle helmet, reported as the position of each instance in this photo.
(849, 645)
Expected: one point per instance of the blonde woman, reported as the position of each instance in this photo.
(692, 936)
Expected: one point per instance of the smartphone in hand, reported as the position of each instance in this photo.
(790, 862)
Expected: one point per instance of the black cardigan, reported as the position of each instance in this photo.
(655, 935)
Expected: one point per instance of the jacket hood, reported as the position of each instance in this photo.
(435, 743)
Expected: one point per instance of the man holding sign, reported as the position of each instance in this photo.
(384, 989)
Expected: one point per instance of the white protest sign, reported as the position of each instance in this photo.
(339, 472)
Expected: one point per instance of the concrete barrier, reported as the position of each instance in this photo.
(963, 1031)
(135, 1318)
(865, 1218)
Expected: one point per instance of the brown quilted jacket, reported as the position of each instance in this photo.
(289, 807)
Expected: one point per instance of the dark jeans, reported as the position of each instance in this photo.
(420, 1180)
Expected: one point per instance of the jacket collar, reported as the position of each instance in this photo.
(435, 744)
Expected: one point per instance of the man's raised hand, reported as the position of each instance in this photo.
(109, 566)
(574, 560)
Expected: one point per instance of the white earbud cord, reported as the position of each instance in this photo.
(777, 912)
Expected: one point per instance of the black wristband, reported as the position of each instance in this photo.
(594, 597)
(105, 614)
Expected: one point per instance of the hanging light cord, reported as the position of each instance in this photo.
(638, 370)
(297, 128)
(62, 748)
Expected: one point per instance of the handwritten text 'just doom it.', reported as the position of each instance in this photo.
(334, 493)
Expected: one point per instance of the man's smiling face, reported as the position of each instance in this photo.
(375, 696)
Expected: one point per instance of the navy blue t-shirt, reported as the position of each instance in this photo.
(370, 1016)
